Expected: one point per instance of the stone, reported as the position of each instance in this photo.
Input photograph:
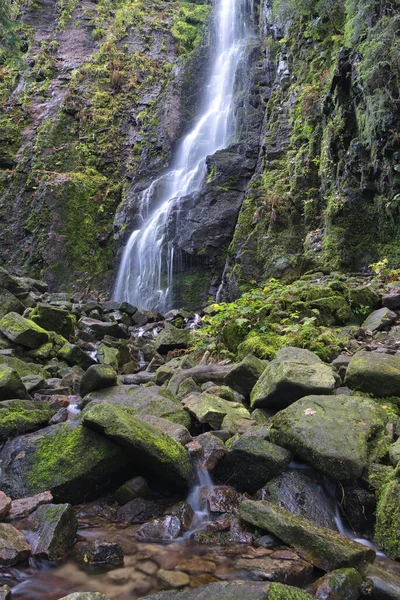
(23, 331)
(226, 590)
(250, 462)
(20, 416)
(73, 355)
(286, 380)
(5, 592)
(358, 506)
(55, 527)
(5, 505)
(23, 369)
(13, 546)
(322, 547)
(172, 338)
(25, 506)
(133, 488)
(146, 446)
(342, 583)
(243, 376)
(161, 529)
(98, 377)
(99, 553)
(379, 320)
(53, 318)
(316, 429)
(392, 300)
(184, 512)
(302, 494)
(108, 355)
(173, 579)
(11, 385)
(374, 373)
(293, 571)
(32, 383)
(394, 453)
(71, 461)
(153, 401)
(163, 374)
(387, 526)
(99, 329)
(9, 303)
(139, 510)
(85, 596)
(180, 433)
(380, 584)
(211, 409)
(207, 450)
(223, 499)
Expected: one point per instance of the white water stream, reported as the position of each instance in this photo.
(146, 271)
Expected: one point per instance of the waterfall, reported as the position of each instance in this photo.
(145, 276)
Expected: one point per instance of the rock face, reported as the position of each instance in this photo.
(68, 459)
(290, 377)
(374, 373)
(316, 428)
(324, 548)
(146, 445)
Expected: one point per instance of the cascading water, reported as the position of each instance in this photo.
(145, 275)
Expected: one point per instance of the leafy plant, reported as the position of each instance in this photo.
(384, 272)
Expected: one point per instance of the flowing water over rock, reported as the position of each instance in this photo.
(146, 272)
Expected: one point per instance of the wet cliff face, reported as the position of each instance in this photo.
(101, 92)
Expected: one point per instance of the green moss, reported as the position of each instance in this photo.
(388, 519)
(20, 416)
(279, 591)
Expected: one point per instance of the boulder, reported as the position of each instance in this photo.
(300, 491)
(9, 303)
(153, 401)
(211, 409)
(207, 449)
(342, 583)
(20, 416)
(5, 592)
(243, 376)
(293, 374)
(11, 385)
(374, 373)
(226, 590)
(71, 461)
(23, 331)
(250, 462)
(316, 428)
(322, 547)
(108, 355)
(172, 338)
(13, 546)
(290, 569)
(98, 377)
(32, 383)
(99, 553)
(5, 505)
(25, 506)
(11, 283)
(24, 369)
(394, 452)
(380, 584)
(55, 527)
(99, 329)
(148, 447)
(53, 318)
(133, 488)
(387, 527)
(175, 430)
(392, 300)
(73, 355)
(139, 510)
(379, 320)
(163, 529)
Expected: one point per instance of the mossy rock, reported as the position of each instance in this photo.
(333, 310)
(316, 428)
(148, 447)
(44, 352)
(9, 303)
(226, 590)
(387, 527)
(98, 377)
(73, 355)
(55, 528)
(243, 376)
(211, 409)
(23, 331)
(374, 373)
(153, 400)
(24, 369)
(13, 546)
(326, 549)
(172, 338)
(11, 385)
(342, 583)
(71, 461)
(55, 319)
(108, 355)
(20, 416)
(380, 583)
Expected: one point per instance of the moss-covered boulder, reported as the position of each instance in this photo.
(324, 548)
(149, 448)
(13, 546)
(226, 590)
(172, 338)
(55, 319)
(108, 355)
(55, 527)
(11, 385)
(9, 303)
(73, 355)
(374, 373)
(342, 583)
(71, 461)
(293, 374)
(336, 434)
(243, 376)
(23, 331)
(24, 369)
(98, 377)
(99, 329)
(380, 584)
(152, 400)
(250, 462)
(21, 416)
(379, 320)
(210, 409)
(387, 527)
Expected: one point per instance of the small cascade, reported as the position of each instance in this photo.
(146, 272)
(197, 499)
